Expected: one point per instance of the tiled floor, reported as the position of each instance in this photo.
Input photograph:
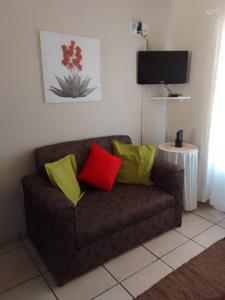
(23, 274)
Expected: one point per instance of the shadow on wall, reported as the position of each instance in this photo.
(192, 138)
(11, 200)
(189, 138)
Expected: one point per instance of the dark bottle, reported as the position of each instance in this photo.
(179, 139)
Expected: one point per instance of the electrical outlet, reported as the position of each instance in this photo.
(133, 26)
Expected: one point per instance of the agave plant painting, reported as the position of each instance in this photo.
(71, 68)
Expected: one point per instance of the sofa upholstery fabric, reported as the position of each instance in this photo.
(124, 206)
(74, 239)
(81, 150)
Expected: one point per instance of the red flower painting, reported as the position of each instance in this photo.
(74, 85)
(72, 56)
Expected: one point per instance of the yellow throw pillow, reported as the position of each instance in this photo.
(137, 162)
(62, 174)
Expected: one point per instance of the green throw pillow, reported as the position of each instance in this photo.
(62, 174)
(137, 162)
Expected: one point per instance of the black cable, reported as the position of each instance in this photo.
(169, 90)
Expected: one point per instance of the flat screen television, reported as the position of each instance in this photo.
(154, 67)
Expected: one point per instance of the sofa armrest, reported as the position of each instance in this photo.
(50, 220)
(40, 188)
(170, 177)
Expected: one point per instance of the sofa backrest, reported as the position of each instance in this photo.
(80, 148)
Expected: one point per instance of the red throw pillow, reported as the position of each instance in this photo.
(100, 168)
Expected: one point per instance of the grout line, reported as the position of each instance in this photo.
(220, 226)
(220, 221)
(137, 271)
(140, 270)
(150, 251)
(196, 234)
(19, 284)
(39, 269)
(11, 250)
(27, 242)
(34, 261)
(108, 289)
(145, 268)
(118, 281)
(191, 239)
(210, 207)
(207, 219)
(8, 243)
(167, 265)
(49, 286)
(129, 293)
(192, 212)
(111, 274)
(159, 258)
(202, 217)
(26, 246)
(198, 244)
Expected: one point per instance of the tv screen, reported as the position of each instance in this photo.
(154, 67)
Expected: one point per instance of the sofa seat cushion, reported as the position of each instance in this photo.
(100, 214)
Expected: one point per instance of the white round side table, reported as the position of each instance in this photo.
(187, 158)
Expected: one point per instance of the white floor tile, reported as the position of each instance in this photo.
(209, 213)
(165, 242)
(210, 236)
(130, 262)
(11, 246)
(222, 223)
(84, 287)
(35, 289)
(143, 280)
(115, 293)
(36, 257)
(192, 225)
(16, 267)
(182, 254)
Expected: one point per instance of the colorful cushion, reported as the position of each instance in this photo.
(62, 174)
(101, 168)
(137, 162)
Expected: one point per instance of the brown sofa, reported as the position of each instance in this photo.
(73, 240)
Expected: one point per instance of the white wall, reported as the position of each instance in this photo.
(154, 126)
(193, 30)
(27, 122)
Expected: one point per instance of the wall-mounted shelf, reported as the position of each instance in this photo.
(180, 98)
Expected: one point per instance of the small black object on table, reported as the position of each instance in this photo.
(179, 139)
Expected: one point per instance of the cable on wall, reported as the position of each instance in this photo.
(142, 99)
(142, 112)
(138, 28)
(167, 134)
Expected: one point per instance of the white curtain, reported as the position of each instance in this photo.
(215, 182)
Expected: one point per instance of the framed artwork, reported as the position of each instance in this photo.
(71, 67)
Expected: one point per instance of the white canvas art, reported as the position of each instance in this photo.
(71, 67)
